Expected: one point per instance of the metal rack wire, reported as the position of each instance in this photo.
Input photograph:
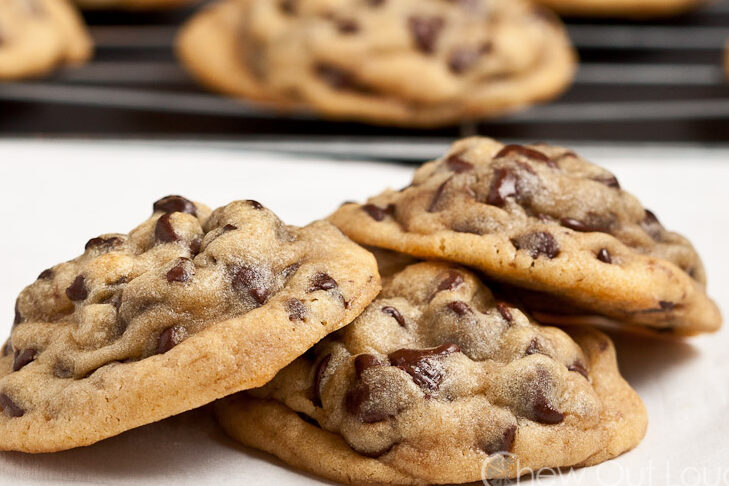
(660, 80)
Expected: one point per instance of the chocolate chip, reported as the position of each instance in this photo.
(100, 243)
(523, 151)
(666, 306)
(503, 184)
(604, 256)
(18, 317)
(321, 281)
(420, 364)
(425, 31)
(458, 164)
(251, 280)
(296, 309)
(437, 196)
(46, 274)
(287, 6)
(451, 281)
(543, 411)
(255, 204)
(363, 362)
(195, 246)
(460, 308)
(469, 227)
(347, 26)
(175, 204)
(62, 370)
(180, 272)
(377, 213)
(395, 314)
(578, 367)
(229, 227)
(318, 377)
(354, 403)
(463, 58)
(10, 408)
(375, 3)
(77, 291)
(534, 347)
(163, 231)
(22, 358)
(503, 443)
(7, 348)
(335, 77)
(652, 226)
(537, 243)
(169, 338)
(290, 270)
(610, 181)
(505, 311)
(595, 223)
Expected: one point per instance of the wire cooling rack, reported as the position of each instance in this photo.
(638, 81)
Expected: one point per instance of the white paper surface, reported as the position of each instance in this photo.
(54, 196)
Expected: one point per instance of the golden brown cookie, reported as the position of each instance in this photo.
(438, 382)
(401, 62)
(544, 219)
(187, 308)
(37, 36)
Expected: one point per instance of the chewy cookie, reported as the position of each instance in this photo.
(621, 8)
(187, 308)
(431, 382)
(38, 35)
(542, 218)
(402, 62)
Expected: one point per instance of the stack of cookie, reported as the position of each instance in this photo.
(429, 364)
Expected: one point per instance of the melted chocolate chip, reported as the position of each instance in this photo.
(503, 443)
(9, 407)
(537, 243)
(46, 274)
(395, 314)
(180, 272)
(604, 256)
(318, 376)
(322, 281)
(336, 77)
(504, 184)
(296, 309)
(425, 31)
(420, 364)
(63, 370)
(347, 26)
(169, 338)
(437, 196)
(287, 6)
(505, 311)
(595, 223)
(18, 317)
(523, 151)
(229, 227)
(543, 411)
(250, 280)
(652, 226)
(463, 58)
(666, 306)
(22, 358)
(77, 291)
(578, 367)
(363, 362)
(175, 204)
(103, 244)
(449, 281)
(255, 204)
(290, 270)
(377, 213)
(458, 164)
(195, 246)
(7, 348)
(460, 308)
(163, 231)
(354, 403)
(610, 181)
(534, 347)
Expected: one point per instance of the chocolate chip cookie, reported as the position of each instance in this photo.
(543, 218)
(434, 383)
(401, 62)
(187, 308)
(36, 36)
(621, 8)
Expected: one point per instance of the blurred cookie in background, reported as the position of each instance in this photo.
(37, 36)
(391, 62)
(621, 8)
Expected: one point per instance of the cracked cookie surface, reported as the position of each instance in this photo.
(37, 36)
(544, 219)
(188, 307)
(432, 381)
(403, 62)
